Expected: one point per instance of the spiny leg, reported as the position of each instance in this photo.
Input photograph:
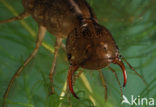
(103, 83)
(19, 17)
(116, 76)
(76, 76)
(41, 34)
(57, 46)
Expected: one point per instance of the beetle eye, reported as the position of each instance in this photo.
(69, 56)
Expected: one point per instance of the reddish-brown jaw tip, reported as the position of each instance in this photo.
(122, 66)
(71, 71)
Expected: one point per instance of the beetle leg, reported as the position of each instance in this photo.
(57, 46)
(63, 47)
(41, 34)
(117, 80)
(103, 83)
(19, 17)
(76, 76)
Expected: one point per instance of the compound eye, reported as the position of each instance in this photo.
(69, 56)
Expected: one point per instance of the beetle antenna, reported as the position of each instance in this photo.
(124, 59)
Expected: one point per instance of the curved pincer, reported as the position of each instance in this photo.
(71, 71)
(122, 66)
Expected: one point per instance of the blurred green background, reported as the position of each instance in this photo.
(133, 25)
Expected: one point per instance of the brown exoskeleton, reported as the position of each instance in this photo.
(55, 16)
(89, 45)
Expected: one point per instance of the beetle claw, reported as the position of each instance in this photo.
(71, 71)
(122, 66)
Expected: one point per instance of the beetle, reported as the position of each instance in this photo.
(55, 16)
(89, 45)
